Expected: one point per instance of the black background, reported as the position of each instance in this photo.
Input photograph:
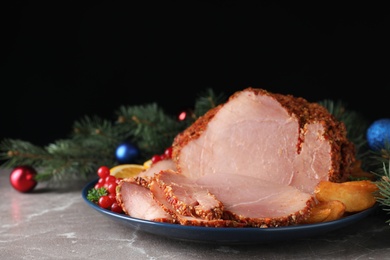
(62, 60)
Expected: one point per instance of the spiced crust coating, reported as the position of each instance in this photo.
(144, 182)
(184, 209)
(292, 219)
(218, 223)
(342, 150)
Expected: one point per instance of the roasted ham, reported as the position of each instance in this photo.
(256, 158)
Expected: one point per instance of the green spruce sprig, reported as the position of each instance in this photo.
(93, 141)
(206, 100)
(376, 159)
(149, 127)
(383, 196)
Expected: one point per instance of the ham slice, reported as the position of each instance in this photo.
(161, 198)
(186, 197)
(137, 201)
(256, 202)
(157, 167)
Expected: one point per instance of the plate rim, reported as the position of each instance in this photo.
(153, 226)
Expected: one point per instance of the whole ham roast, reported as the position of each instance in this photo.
(253, 161)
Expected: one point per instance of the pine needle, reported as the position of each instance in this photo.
(383, 197)
(93, 141)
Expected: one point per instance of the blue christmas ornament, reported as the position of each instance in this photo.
(126, 153)
(378, 134)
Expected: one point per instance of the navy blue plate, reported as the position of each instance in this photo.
(225, 235)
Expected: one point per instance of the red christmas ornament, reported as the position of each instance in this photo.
(22, 178)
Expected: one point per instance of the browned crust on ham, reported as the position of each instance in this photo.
(218, 223)
(290, 220)
(192, 132)
(144, 182)
(342, 150)
(189, 210)
(184, 209)
(228, 219)
(160, 198)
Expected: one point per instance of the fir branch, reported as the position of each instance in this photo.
(207, 100)
(98, 135)
(94, 140)
(62, 160)
(18, 152)
(377, 158)
(383, 196)
(96, 129)
(149, 127)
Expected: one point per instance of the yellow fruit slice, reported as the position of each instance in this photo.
(126, 170)
(147, 164)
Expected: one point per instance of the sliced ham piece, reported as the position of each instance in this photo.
(137, 201)
(186, 197)
(157, 167)
(160, 197)
(256, 202)
(278, 138)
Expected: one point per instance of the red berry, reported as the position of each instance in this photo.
(112, 196)
(103, 172)
(111, 188)
(98, 185)
(105, 202)
(110, 179)
(116, 208)
(168, 152)
(156, 158)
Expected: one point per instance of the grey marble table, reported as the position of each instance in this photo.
(56, 223)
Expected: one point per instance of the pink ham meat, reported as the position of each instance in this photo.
(157, 167)
(277, 138)
(137, 201)
(186, 197)
(161, 198)
(256, 202)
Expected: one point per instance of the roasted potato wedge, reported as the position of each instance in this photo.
(326, 211)
(356, 195)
